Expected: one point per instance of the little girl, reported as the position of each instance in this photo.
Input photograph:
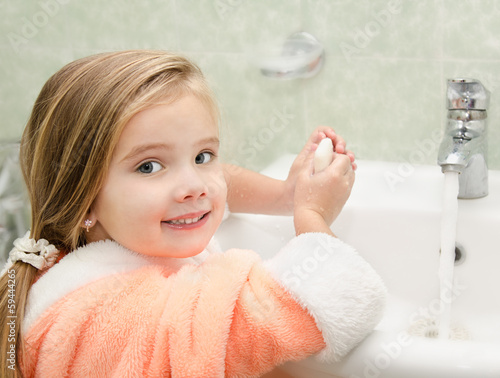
(120, 275)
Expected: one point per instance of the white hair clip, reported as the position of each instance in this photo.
(39, 254)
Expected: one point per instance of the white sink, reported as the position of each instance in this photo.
(393, 219)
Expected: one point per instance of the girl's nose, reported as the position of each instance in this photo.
(190, 186)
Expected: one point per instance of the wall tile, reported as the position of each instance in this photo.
(376, 28)
(385, 95)
(22, 76)
(471, 29)
(376, 105)
(120, 24)
(235, 25)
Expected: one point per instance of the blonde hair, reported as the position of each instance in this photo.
(68, 142)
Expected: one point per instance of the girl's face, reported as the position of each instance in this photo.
(165, 192)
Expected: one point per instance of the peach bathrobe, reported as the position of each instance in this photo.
(105, 311)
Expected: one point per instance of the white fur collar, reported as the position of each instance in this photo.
(90, 263)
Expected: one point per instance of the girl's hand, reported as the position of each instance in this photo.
(319, 197)
(318, 134)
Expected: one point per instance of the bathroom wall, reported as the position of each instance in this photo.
(382, 86)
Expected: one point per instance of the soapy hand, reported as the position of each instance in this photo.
(320, 133)
(251, 192)
(320, 196)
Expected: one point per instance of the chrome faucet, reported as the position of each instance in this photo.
(464, 147)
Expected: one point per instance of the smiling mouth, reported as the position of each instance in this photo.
(184, 221)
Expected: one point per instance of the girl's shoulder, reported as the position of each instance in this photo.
(91, 263)
(76, 269)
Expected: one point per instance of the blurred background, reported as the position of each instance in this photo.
(382, 86)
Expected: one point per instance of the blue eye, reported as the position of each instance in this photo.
(149, 167)
(203, 158)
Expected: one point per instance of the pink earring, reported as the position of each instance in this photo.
(87, 223)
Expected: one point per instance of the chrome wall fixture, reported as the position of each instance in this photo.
(300, 56)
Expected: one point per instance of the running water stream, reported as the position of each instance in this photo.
(447, 258)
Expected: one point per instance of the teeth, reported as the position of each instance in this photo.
(185, 221)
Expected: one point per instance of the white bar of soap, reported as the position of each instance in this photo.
(323, 155)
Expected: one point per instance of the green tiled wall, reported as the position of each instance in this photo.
(382, 86)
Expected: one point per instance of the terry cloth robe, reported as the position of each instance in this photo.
(105, 311)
